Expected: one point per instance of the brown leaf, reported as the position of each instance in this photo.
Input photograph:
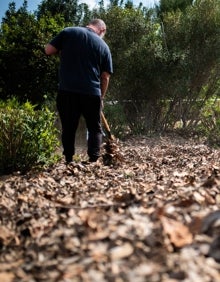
(122, 251)
(178, 233)
(100, 235)
(7, 276)
(7, 235)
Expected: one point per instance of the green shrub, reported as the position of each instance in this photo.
(28, 137)
(116, 119)
(209, 125)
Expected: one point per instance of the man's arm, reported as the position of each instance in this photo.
(105, 76)
(50, 49)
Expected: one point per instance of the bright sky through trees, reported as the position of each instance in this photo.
(33, 4)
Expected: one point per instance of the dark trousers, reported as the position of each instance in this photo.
(70, 107)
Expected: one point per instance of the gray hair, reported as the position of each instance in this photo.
(98, 23)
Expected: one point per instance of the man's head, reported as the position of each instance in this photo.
(98, 26)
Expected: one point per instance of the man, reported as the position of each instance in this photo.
(85, 69)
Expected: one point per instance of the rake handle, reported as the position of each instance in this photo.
(106, 125)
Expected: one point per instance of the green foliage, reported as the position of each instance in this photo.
(28, 137)
(172, 5)
(209, 125)
(72, 12)
(133, 40)
(116, 119)
(137, 48)
(26, 71)
(191, 41)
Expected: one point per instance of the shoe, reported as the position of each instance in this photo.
(90, 160)
(85, 162)
(93, 159)
(69, 159)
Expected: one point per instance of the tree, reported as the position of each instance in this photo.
(71, 10)
(191, 66)
(172, 6)
(26, 72)
(164, 71)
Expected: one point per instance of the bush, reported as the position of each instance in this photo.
(116, 119)
(28, 137)
(210, 122)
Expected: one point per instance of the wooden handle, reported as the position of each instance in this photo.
(105, 122)
(106, 126)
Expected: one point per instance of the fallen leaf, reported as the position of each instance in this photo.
(178, 233)
(122, 251)
(6, 276)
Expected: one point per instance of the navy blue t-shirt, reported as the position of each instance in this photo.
(83, 57)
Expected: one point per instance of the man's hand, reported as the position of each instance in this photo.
(105, 76)
(50, 49)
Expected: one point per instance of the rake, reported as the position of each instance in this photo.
(107, 128)
(112, 155)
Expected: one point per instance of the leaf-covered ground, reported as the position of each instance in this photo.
(152, 217)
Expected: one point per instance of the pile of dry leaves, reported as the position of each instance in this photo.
(151, 217)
